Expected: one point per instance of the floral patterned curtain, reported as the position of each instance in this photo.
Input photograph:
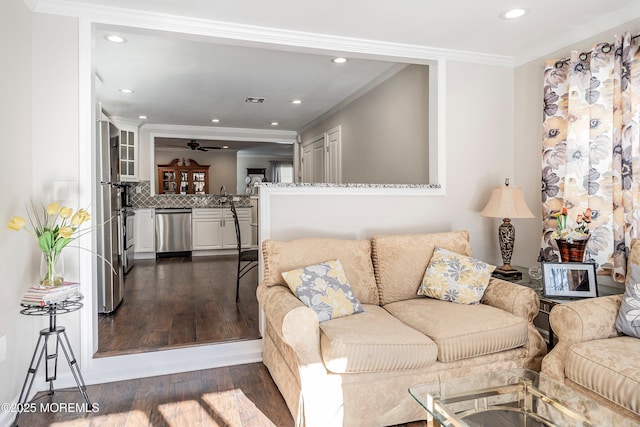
(591, 149)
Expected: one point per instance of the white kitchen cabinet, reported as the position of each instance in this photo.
(206, 228)
(213, 228)
(144, 226)
(229, 233)
(128, 149)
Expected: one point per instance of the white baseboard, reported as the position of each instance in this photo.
(126, 367)
(144, 255)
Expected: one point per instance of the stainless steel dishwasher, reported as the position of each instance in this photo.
(173, 230)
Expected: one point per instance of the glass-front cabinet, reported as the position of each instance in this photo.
(128, 169)
(183, 177)
(128, 152)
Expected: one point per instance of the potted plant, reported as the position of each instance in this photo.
(53, 227)
(571, 240)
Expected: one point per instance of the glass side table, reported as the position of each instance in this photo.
(49, 350)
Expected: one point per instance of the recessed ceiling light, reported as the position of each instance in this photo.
(126, 90)
(339, 60)
(274, 123)
(115, 39)
(296, 101)
(142, 117)
(215, 120)
(225, 146)
(514, 13)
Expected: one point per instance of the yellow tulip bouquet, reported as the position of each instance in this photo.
(53, 227)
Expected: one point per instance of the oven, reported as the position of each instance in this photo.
(128, 238)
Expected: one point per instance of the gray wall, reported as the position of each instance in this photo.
(385, 132)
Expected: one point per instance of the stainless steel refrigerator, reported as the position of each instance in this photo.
(110, 275)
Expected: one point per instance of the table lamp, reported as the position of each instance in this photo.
(506, 203)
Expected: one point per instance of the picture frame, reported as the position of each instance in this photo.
(569, 280)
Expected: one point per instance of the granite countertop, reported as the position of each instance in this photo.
(348, 185)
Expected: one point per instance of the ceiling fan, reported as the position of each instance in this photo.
(194, 145)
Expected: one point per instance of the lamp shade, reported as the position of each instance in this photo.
(507, 202)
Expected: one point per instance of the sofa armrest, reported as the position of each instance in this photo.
(516, 299)
(292, 321)
(586, 320)
(580, 321)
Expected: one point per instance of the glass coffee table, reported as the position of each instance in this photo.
(517, 397)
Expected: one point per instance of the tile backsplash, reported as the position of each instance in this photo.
(142, 198)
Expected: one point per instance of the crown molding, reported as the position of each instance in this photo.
(260, 36)
(598, 26)
(31, 4)
(222, 133)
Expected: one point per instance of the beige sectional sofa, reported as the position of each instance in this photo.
(594, 359)
(356, 370)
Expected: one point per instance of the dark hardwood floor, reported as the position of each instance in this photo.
(234, 396)
(178, 302)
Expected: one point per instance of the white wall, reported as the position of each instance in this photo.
(39, 118)
(528, 137)
(18, 255)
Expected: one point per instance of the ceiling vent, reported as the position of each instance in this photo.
(254, 100)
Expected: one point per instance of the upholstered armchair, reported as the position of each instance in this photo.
(592, 356)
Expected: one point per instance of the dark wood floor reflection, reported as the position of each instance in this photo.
(180, 301)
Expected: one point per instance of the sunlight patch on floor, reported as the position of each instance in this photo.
(131, 418)
(234, 408)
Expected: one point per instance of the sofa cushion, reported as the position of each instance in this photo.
(354, 255)
(608, 367)
(373, 341)
(456, 278)
(633, 260)
(628, 319)
(400, 260)
(462, 331)
(325, 289)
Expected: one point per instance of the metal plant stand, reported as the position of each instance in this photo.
(59, 338)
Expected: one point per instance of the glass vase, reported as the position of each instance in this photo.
(51, 270)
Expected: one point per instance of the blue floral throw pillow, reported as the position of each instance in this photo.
(628, 320)
(325, 289)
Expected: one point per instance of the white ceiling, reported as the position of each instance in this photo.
(188, 80)
(466, 25)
